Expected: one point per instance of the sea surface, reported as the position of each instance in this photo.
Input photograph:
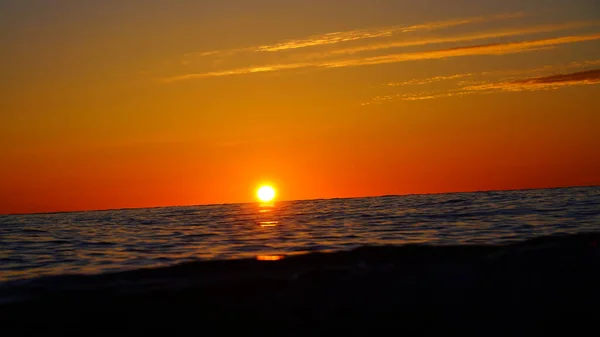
(95, 242)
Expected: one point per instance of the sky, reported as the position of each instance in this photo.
(144, 103)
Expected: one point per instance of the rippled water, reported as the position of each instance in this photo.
(100, 241)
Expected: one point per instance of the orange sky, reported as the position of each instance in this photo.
(111, 104)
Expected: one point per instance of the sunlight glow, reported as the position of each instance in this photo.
(266, 193)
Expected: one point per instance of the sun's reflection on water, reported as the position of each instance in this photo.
(266, 215)
(268, 223)
(269, 257)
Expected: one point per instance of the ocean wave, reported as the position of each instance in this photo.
(103, 241)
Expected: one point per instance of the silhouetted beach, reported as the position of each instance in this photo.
(532, 288)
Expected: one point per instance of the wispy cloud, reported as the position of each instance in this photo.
(464, 38)
(482, 49)
(240, 71)
(339, 37)
(485, 49)
(427, 80)
(541, 83)
(505, 73)
(550, 82)
(352, 35)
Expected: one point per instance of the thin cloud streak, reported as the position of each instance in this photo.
(541, 83)
(354, 35)
(239, 71)
(465, 38)
(552, 82)
(530, 72)
(428, 80)
(339, 37)
(486, 49)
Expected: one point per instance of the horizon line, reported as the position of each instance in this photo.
(312, 199)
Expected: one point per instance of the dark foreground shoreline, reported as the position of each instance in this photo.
(539, 287)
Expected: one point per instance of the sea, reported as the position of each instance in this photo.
(99, 242)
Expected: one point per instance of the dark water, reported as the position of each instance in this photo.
(102, 241)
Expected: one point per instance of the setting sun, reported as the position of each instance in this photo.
(266, 193)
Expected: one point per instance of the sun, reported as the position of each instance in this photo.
(265, 193)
